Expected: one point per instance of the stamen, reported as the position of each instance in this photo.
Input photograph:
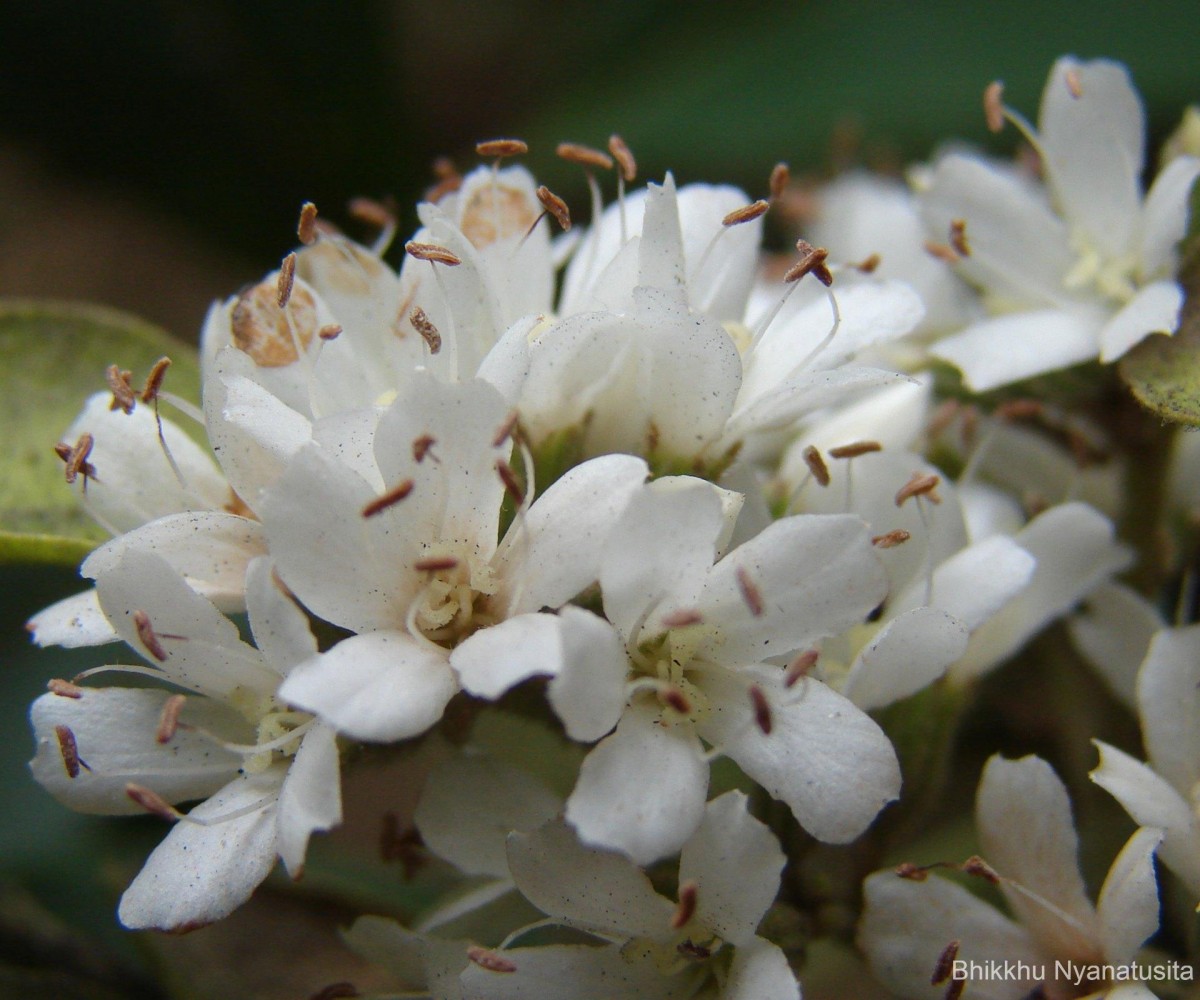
(553, 204)
(688, 949)
(945, 964)
(379, 215)
(505, 429)
(958, 237)
(403, 845)
(812, 261)
(993, 106)
(1074, 84)
(118, 382)
(942, 251)
(512, 485)
(64, 689)
(942, 417)
(975, 865)
(750, 592)
(919, 485)
(762, 709)
(891, 539)
(287, 277)
(500, 148)
(76, 459)
(154, 380)
(1020, 409)
(800, 667)
(330, 331)
(449, 179)
(432, 252)
(780, 178)
(487, 959)
(251, 749)
(422, 446)
(682, 618)
(70, 751)
(388, 499)
(674, 698)
(336, 991)
(152, 802)
(429, 333)
(306, 228)
(957, 986)
(624, 157)
(747, 213)
(585, 156)
(123, 669)
(868, 265)
(435, 564)
(148, 637)
(914, 873)
(816, 465)
(686, 908)
(855, 449)
(168, 721)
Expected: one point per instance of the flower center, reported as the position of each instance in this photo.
(1111, 278)
(456, 598)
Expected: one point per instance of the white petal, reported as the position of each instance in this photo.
(1113, 631)
(660, 260)
(311, 798)
(735, 862)
(115, 733)
(1014, 347)
(416, 961)
(588, 693)
(1094, 146)
(586, 887)
(280, 628)
(1154, 309)
(1164, 216)
(910, 652)
(1169, 705)
(1128, 904)
(793, 398)
(73, 622)
(200, 874)
(507, 364)
(642, 789)
(721, 273)
(825, 758)
(759, 971)
(379, 686)
(497, 658)
(503, 799)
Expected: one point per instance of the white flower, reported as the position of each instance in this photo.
(1028, 838)
(268, 775)
(1082, 268)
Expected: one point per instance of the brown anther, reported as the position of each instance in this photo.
(553, 204)
(64, 689)
(504, 431)
(993, 106)
(747, 213)
(501, 148)
(585, 156)
(421, 447)
(868, 265)
(945, 964)
(152, 802)
(168, 721)
(800, 667)
(76, 458)
(816, 465)
(435, 564)
(690, 949)
(148, 637)
(1020, 409)
(780, 178)
(914, 873)
(890, 539)
(287, 277)
(942, 417)
(942, 251)
(812, 261)
(672, 697)
(122, 390)
(682, 618)
(970, 425)
(955, 990)
(485, 958)
(432, 252)
(69, 750)
(512, 485)
(336, 991)
(154, 380)
(958, 237)
(624, 157)
(389, 499)
(306, 228)
(448, 179)
(330, 331)
(1074, 84)
(686, 908)
(429, 333)
(372, 212)
(975, 865)
(750, 592)
(919, 485)
(403, 845)
(855, 449)
(762, 709)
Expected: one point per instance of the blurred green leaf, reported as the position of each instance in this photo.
(53, 355)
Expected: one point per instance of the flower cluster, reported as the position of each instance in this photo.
(699, 513)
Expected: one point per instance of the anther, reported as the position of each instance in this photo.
(780, 178)
(672, 697)
(945, 964)
(432, 252)
(504, 431)
(1074, 84)
(512, 485)
(501, 148)
(448, 179)
(168, 721)
(149, 638)
(401, 844)
(942, 251)
(306, 228)
(421, 447)
(152, 802)
(890, 539)
(747, 213)
(585, 156)
(762, 709)
(914, 873)
(118, 382)
(686, 908)
(69, 750)
(975, 865)
(429, 333)
(435, 564)
(64, 689)
(993, 106)
(624, 157)
(750, 592)
(154, 380)
(682, 618)
(554, 205)
(800, 667)
(958, 237)
(942, 417)
(372, 212)
(689, 949)
(919, 485)
(868, 265)
(1019, 409)
(76, 458)
(485, 958)
(812, 261)
(816, 465)
(389, 499)
(330, 331)
(957, 986)
(855, 449)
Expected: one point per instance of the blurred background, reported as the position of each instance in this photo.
(154, 153)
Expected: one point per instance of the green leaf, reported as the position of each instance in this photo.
(1163, 373)
(53, 355)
